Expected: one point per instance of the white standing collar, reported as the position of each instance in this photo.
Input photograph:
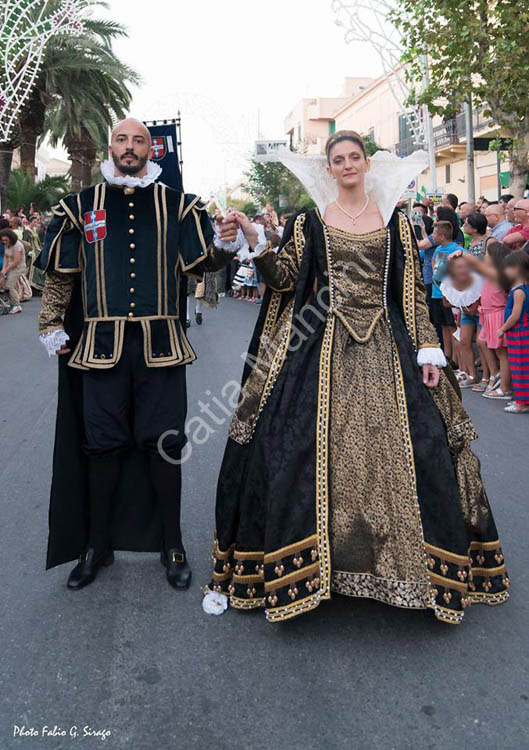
(153, 172)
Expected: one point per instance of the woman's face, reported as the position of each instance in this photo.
(347, 164)
(511, 272)
(467, 229)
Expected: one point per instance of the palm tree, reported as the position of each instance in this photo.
(85, 60)
(83, 117)
(46, 193)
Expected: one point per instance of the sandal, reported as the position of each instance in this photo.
(498, 395)
(494, 381)
(514, 409)
(468, 382)
(482, 385)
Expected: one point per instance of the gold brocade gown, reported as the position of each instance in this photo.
(376, 535)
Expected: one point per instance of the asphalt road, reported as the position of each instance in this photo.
(131, 656)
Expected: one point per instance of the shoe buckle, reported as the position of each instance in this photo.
(178, 557)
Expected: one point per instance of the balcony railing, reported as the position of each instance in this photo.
(450, 133)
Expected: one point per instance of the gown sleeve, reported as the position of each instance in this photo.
(428, 347)
(280, 270)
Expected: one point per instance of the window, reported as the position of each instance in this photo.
(332, 127)
(448, 176)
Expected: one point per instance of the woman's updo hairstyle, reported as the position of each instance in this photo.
(344, 135)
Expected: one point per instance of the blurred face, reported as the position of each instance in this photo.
(511, 272)
(467, 229)
(466, 209)
(521, 212)
(494, 214)
(347, 164)
(5, 241)
(130, 147)
(459, 271)
(437, 237)
(510, 209)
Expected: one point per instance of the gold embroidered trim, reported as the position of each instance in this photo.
(158, 244)
(447, 582)
(408, 293)
(485, 545)
(290, 549)
(445, 555)
(71, 215)
(238, 603)
(354, 334)
(297, 575)
(191, 205)
(489, 572)
(248, 555)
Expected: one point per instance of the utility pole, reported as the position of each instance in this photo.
(469, 130)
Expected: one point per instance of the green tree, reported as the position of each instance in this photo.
(478, 50)
(271, 182)
(44, 194)
(83, 79)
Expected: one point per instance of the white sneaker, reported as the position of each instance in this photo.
(15, 309)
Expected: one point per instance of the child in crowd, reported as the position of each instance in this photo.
(516, 328)
(461, 288)
(496, 379)
(442, 316)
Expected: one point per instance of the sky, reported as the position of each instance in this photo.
(233, 68)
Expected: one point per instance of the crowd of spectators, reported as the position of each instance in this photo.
(21, 235)
(475, 265)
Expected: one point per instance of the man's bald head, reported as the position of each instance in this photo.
(131, 125)
(494, 214)
(521, 212)
(130, 147)
(510, 209)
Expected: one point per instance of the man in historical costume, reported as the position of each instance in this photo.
(113, 257)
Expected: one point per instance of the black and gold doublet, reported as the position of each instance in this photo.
(129, 248)
(343, 471)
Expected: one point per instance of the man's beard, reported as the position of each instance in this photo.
(130, 169)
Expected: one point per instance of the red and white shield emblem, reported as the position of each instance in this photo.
(95, 225)
(159, 148)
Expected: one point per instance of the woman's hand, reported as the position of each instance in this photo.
(430, 375)
(247, 228)
(500, 332)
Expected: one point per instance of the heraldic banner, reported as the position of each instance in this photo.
(165, 145)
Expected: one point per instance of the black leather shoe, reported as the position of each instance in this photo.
(198, 318)
(178, 571)
(86, 569)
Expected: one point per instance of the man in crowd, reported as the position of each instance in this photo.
(509, 210)
(450, 201)
(498, 224)
(516, 237)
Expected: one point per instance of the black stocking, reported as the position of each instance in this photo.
(103, 477)
(166, 480)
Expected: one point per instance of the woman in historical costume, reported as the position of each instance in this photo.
(349, 467)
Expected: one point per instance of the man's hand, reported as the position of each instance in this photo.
(229, 228)
(247, 228)
(430, 375)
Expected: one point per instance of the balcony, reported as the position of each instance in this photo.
(449, 137)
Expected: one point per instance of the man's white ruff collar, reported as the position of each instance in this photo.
(153, 172)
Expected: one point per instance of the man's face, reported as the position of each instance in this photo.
(521, 212)
(130, 147)
(494, 214)
(466, 209)
(510, 210)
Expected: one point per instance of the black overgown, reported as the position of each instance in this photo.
(272, 546)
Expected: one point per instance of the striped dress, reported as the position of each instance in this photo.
(517, 339)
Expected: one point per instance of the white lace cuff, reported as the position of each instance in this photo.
(230, 247)
(431, 355)
(53, 341)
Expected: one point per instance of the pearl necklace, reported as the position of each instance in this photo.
(353, 218)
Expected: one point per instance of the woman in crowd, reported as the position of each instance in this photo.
(13, 267)
(477, 228)
(341, 390)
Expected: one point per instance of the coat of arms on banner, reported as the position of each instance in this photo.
(158, 148)
(95, 225)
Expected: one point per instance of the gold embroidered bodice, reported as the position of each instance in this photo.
(358, 263)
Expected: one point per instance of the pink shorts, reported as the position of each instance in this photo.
(490, 322)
